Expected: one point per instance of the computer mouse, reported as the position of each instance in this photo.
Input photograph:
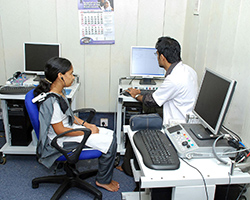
(125, 93)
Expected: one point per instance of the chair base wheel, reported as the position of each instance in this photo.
(34, 186)
(2, 159)
(69, 180)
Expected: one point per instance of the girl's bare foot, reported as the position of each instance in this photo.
(113, 186)
(115, 183)
(119, 168)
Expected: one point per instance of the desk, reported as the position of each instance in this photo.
(187, 183)
(125, 83)
(31, 148)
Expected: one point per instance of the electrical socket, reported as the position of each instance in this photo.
(104, 122)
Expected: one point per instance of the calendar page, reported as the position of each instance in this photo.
(96, 21)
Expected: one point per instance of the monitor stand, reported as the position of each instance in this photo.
(147, 81)
(39, 77)
(201, 132)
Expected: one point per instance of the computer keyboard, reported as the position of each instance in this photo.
(156, 150)
(8, 89)
(144, 91)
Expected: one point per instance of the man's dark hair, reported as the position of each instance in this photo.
(170, 48)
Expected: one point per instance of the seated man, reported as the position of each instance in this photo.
(178, 91)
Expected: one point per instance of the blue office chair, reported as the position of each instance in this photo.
(72, 178)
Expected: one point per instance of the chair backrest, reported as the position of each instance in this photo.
(32, 109)
(33, 112)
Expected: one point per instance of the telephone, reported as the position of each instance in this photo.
(17, 79)
(16, 74)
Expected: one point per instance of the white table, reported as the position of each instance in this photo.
(125, 83)
(31, 148)
(187, 182)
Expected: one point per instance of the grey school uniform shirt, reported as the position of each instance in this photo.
(45, 152)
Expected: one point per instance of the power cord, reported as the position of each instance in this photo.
(203, 179)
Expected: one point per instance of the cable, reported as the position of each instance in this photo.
(203, 179)
(216, 155)
(238, 158)
(242, 144)
(242, 191)
(244, 156)
(139, 184)
(214, 151)
(229, 183)
(132, 80)
(233, 152)
(235, 134)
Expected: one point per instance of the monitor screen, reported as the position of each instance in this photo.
(144, 63)
(37, 54)
(213, 100)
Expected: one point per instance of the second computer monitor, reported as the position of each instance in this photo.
(144, 63)
(37, 54)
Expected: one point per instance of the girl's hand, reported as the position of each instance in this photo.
(92, 127)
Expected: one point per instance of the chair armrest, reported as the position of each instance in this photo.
(72, 155)
(91, 112)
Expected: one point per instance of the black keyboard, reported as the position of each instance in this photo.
(143, 91)
(8, 89)
(156, 150)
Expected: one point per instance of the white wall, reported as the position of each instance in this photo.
(137, 22)
(219, 39)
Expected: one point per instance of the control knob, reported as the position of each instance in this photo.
(184, 143)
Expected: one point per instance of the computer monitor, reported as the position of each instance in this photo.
(212, 102)
(37, 54)
(144, 63)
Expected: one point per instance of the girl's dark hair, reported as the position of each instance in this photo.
(170, 48)
(52, 67)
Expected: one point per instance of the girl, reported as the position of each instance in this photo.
(56, 117)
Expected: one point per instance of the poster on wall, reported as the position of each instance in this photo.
(96, 20)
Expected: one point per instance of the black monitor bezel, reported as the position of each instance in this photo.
(28, 69)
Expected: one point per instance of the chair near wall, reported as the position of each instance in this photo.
(72, 178)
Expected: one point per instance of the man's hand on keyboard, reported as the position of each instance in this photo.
(133, 92)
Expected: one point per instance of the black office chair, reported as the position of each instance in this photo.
(72, 178)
